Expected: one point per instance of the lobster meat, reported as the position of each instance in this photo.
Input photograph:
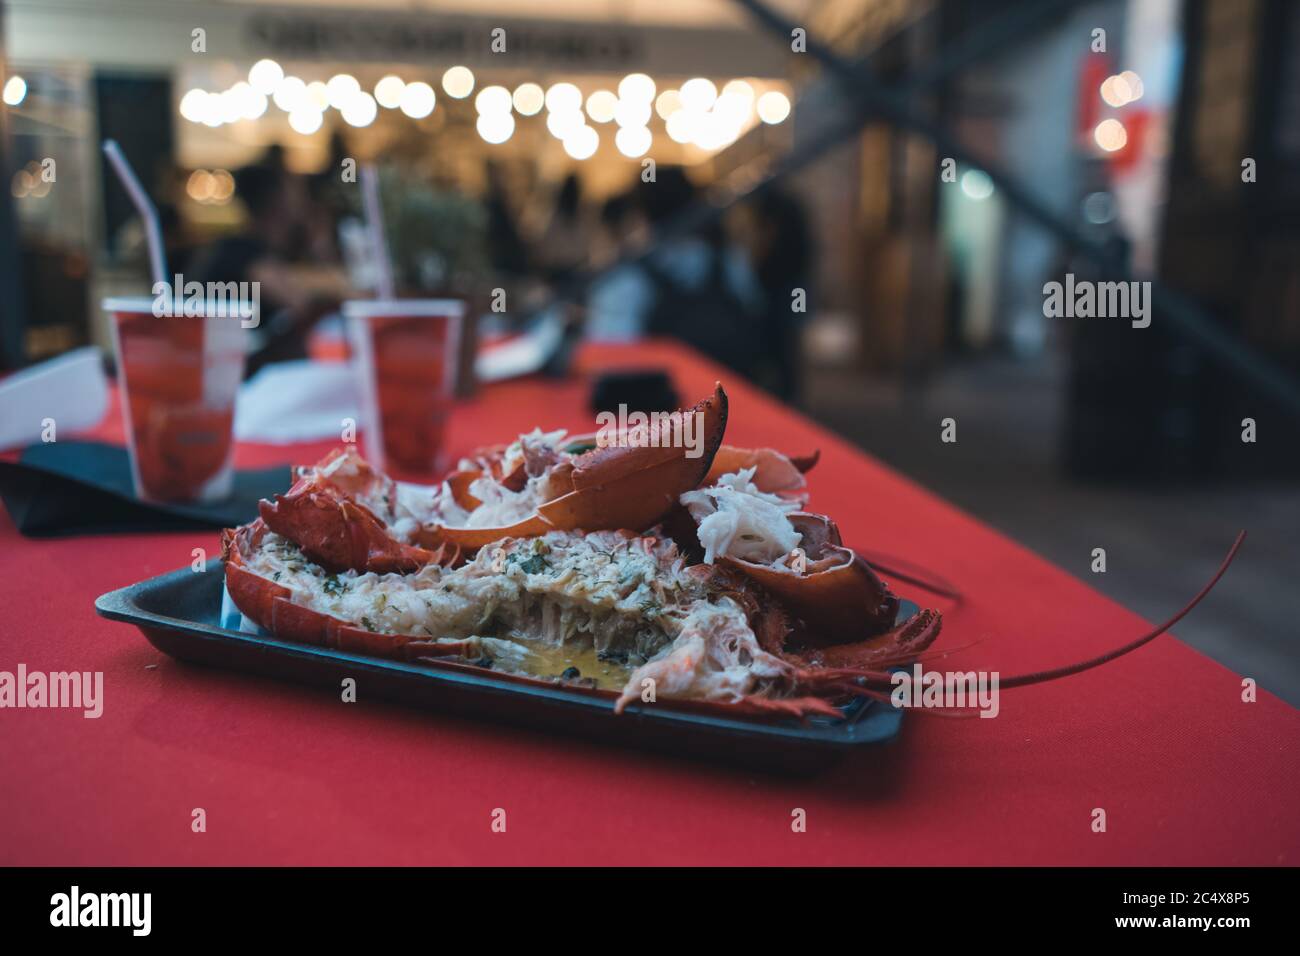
(702, 581)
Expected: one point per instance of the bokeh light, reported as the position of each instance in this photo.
(976, 184)
(1110, 135)
(192, 105)
(773, 107)
(458, 82)
(633, 141)
(637, 87)
(342, 87)
(289, 93)
(15, 91)
(668, 103)
(495, 127)
(360, 109)
(601, 106)
(388, 91)
(560, 123)
(265, 75)
(698, 94)
(563, 97)
(306, 120)
(582, 142)
(317, 95)
(417, 100)
(493, 100)
(632, 112)
(529, 99)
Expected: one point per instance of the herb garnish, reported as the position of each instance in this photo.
(532, 565)
(535, 565)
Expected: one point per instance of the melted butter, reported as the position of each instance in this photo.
(551, 660)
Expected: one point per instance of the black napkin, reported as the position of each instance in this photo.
(67, 488)
(640, 389)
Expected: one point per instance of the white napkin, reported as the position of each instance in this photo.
(305, 400)
(524, 354)
(297, 401)
(70, 391)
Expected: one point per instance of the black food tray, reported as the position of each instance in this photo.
(181, 615)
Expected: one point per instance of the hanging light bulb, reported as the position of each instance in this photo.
(495, 127)
(601, 106)
(582, 142)
(388, 91)
(562, 97)
(417, 100)
(773, 107)
(636, 86)
(529, 99)
(633, 141)
(458, 82)
(265, 75)
(493, 100)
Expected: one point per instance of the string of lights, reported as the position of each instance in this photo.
(699, 113)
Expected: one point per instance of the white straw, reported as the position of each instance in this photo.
(375, 227)
(140, 199)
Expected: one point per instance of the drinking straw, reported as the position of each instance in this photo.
(140, 199)
(375, 228)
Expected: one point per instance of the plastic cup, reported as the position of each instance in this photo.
(406, 353)
(178, 377)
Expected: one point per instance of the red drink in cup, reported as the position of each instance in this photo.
(178, 376)
(407, 357)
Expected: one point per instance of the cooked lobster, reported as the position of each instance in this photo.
(696, 580)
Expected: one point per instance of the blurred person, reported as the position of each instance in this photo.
(619, 227)
(274, 157)
(328, 202)
(618, 300)
(561, 247)
(506, 249)
(774, 229)
(695, 287)
(292, 294)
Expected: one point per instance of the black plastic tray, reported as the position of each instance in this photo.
(181, 615)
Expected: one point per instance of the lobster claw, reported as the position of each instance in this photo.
(339, 534)
(610, 488)
(620, 487)
(836, 594)
(773, 472)
(323, 515)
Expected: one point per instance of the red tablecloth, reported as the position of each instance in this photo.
(1186, 771)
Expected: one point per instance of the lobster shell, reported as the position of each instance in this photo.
(773, 472)
(837, 597)
(271, 606)
(321, 515)
(610, 488)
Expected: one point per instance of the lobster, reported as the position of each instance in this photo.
(687, 560)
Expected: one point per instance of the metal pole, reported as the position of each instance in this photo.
(1185, 316)
(13, 315)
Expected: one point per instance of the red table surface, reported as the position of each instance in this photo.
(1186, 771)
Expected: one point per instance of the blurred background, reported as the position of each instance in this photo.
(860, 216)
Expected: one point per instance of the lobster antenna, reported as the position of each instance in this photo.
(877, 678)
(1041, 676)
(935, 585)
